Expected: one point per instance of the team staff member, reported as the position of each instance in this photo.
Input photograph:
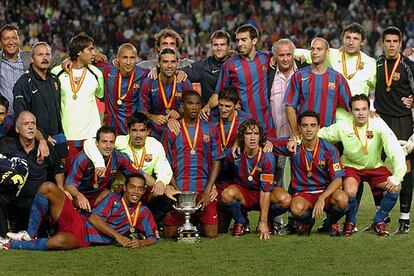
(40, 170)
(113, 218)
(394, 81)
(38, 91)
(364, 140)
(6, 121)
(206, 72)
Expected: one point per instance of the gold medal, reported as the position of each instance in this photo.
(132, 229)
(252, 172)
(344, 68)
(75, 89)
(167, 111)
(119, 102)
(250, 178)
(135, 214)
(389, 78)
(96, 185)
(131, 79)
(225, 139)
(309, 165)
(168, 104)
(309, 174)
(193, 151)
(388, 89)
(191, 144)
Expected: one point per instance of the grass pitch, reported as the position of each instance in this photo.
(362, 254)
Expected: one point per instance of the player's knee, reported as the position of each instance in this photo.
(285, 200)
(351, 190)
(227, 195)
(297, 208)
(170, 232)
(211, 231)
(341, 200)
(46, 187)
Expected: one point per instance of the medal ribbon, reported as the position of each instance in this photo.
(315, 151)
(225, 139)
(135, 213)
(251, 173)
(131, 79)
(358, 64)
(167, 104)
(137, 165)
(193, 143)
(388, 79)
(107, 166)
(364, 147)
(74, 88)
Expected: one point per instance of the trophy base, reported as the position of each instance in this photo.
(189, 237)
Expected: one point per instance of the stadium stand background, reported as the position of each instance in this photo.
(114, 22)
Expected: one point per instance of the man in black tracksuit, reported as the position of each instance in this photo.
(37, 91)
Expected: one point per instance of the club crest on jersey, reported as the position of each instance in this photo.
(154, 90)
(259, 169)
(112, 172)
(321, 164)
(206, 138)
(337, 167)
(178, 95)
(396, 76)
(370, 134)
(148, 157)
(136, 86)
(264, 68)
(331, 85)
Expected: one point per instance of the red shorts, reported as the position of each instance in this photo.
(208, 216)
(70, 221)
(373, 177)
(251, 197)
(74, 147)
(309, 197)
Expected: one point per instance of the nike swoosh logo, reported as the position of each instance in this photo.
(303, 79)
(379, 65)
(34, 91)
(238, 68)
(215, 71)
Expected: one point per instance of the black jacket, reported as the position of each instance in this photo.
(206, 72)
(42, 98)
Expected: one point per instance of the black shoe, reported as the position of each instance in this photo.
(403, 228)
(387, 220)
(304, 229)
(324, 228)
(247, 228)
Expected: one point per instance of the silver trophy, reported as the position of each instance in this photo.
(187, 205)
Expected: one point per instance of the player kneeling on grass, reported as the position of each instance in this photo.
(364, 140)
(316, 178)
(114, 217)
(253, 188)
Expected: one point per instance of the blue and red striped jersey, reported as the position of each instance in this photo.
(111, 210)
(326, 166)
(263, 177)
(191, 171)
(116, 115)
(82, 173)
(7, 126)
(151, 100)
(321, 93)
(250, 79)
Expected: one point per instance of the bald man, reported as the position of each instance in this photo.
(40, 170)
(316, 87)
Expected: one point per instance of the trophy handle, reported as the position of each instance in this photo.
(177, 208)
(198, 206)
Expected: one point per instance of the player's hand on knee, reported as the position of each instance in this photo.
(318, 208)
(264, 231)
(83, 202)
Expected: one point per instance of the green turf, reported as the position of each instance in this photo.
(361, 254)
